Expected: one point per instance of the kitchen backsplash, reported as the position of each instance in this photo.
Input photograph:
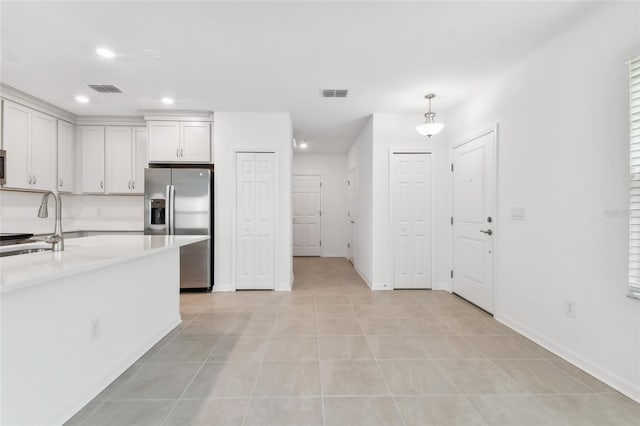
(18, 213)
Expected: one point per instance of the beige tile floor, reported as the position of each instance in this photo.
(332, 352)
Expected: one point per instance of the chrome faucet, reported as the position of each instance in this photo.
(56, 240)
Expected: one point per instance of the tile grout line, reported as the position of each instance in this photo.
(190, 382)
(393, 398)
(324, 417)
(255, 383)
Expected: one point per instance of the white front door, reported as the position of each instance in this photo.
(255, 254)
(411, 216)
(306, 215)
(474, 183)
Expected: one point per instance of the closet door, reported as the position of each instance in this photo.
(255, 214)
(411, 213)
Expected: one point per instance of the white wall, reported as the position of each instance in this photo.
(360, 159)
(563, 154)
(398, 132)
(19, 209)
(246, 131)
(332, 169)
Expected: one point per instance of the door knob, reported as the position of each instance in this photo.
(488, 232)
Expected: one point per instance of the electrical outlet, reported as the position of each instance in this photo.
(95, 328)
(570, 308)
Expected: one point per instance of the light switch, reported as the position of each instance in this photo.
(518, 213)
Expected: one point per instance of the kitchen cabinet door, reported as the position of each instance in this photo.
(196, 142)
(66, 148)
(118, 159)
(43, 151)
(164, 141)
(139, 159)
(16, 139)
(92, 139)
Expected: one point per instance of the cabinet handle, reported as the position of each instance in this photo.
(101, 184)
(177, 152)
(60, 183)
(30, 179)
(35, 179)
(133, 184)
(181, 152)
(129, 184)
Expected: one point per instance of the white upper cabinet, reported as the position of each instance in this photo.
(66, 148)
(164, 141)
(174, 142)
(139, 159)
(29, 137)
(196, 142)
(16, 132)
(93, 146)
(119, 157)
(44, 137)
(125, 159)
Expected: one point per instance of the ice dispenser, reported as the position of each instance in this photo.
(158, 211)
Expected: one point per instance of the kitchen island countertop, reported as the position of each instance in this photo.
(81, 255)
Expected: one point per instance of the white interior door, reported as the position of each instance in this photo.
(255, 215)
(351, 216)
(411, 215)
(306, 215)
(474, 183)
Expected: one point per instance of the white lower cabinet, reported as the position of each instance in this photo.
(30, 139)
(125, 159)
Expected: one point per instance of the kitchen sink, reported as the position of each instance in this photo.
(23, 251)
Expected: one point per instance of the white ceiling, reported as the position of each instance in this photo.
(273, 56)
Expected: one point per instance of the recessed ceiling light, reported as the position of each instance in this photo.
(105, 52)
(303, 145)
(168, 101)
(82, 99)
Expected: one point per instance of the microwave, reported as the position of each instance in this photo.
(3, 167)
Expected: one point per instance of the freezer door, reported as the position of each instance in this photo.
(156, 204)
(195, 265)
(192, 216)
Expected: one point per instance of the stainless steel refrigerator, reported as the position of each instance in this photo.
(179, 201)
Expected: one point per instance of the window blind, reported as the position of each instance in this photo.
(634, 181)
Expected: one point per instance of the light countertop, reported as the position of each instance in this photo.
(81, 255)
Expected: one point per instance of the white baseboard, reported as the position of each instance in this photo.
(382, 287)
(119, 367)
(222, 288)
(443, 286)
(618, 383)
(366, 281)
(343, 255)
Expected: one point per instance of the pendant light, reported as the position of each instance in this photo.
(429, 127)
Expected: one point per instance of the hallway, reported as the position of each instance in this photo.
(332, 352)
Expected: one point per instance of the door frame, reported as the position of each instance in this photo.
(321, 177)
(393, 151)
(496, 223)
(234, 213)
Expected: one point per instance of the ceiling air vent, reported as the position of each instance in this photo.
(334, 93)
(105, 88)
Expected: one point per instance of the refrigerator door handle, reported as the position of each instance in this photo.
(169, 209)
(172, 199)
